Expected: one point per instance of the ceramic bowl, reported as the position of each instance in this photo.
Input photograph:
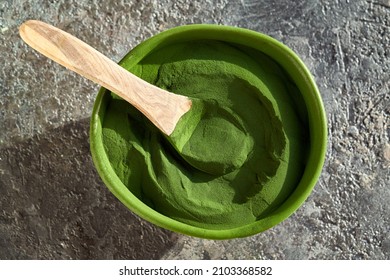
(298, 73)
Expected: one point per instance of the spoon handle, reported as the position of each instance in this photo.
(161, 107)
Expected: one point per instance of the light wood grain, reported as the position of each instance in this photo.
(161, 107)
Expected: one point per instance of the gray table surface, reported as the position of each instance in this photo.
(53, 204)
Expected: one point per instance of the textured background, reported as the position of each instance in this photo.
(53, 205)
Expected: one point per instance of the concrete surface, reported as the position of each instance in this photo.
(53, 205)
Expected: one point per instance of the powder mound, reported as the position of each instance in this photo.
(253, 158)
(211, 139)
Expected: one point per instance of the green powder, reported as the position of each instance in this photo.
(238, 153)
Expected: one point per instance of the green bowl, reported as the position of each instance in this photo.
(298, 73)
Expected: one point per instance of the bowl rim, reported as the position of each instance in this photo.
(288, 60)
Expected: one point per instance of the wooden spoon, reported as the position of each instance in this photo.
(162, 108)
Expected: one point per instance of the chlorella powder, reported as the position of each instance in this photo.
(248, 149)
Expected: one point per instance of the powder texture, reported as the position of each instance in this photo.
(238, 153)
